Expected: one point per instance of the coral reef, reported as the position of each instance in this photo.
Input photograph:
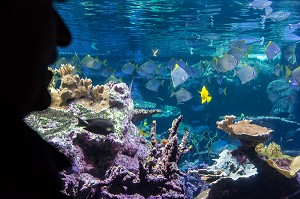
(121, 164)
(262, 180)
(157, 177)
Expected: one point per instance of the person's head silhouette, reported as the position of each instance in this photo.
(30, 33)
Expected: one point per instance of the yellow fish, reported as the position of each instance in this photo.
(205, 95)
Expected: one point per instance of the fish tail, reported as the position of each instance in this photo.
(262, 40)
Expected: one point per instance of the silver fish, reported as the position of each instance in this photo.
(246, 73)
(276, 16)
(272, 50)
(153, 84)
(260, 4)
(296, 75)
(178, 75)
(182, 95)
(128, 68)
(228, 62)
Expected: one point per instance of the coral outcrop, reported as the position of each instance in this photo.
(285, 164)
(242, 173)
(121, 164)
(248, 134)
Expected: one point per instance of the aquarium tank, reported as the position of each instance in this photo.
(177, 99)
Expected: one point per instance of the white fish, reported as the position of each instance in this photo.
(178, 75)
(228, 62)
(260, 4)
(153, 84)
(276, 16)
(182, 95)
(246, 73)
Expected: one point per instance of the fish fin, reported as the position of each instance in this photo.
(225, 91)
(248, 52)
(287, 72)
(172, 93)
(208, 99)
(82, 122)
(104, 62)
(234, 72)
(162, 82)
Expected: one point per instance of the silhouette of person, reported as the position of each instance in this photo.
(30, 33)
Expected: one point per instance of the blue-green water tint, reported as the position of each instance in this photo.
(127, 30)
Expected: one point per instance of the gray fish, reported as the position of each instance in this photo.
(153, 84)
(241, 44)
(182, 95)
(276, 16)
(246, 73)
(87, 61)
(296, 75)
(149, 67)
(178, 75)
(107, 71)
(237, 53)
(228, 62)
(290, 28)
(128, 68)
(260, 4)
(272, 50)
(250, 40)
(98, 125)
(75, 60)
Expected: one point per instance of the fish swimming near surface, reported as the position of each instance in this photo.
(250, 40)
(260, 4)
(246, 73)
(204, 95)
(98, 126)
(276, 16)
(271, 50)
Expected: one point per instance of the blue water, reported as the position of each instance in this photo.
(127, 30)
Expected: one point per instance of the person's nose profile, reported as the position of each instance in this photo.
(63, 34)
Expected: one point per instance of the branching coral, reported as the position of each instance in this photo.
(157, 177)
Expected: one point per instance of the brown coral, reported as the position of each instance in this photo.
(244, 131)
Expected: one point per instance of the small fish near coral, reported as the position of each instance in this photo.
(98, 126)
